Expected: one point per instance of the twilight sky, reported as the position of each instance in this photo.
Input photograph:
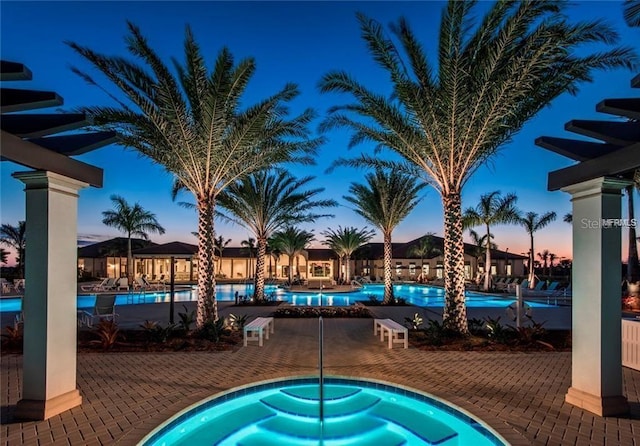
(291, 42)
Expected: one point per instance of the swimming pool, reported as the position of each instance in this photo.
(420, 295)
(357, 412)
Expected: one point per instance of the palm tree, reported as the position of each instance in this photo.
(424, 249)
(249, 246)
(4, 256)
(552, 258)
(344, 242)
(385, 201)
(568, 217)
(14, 237)
(494, 74)
(492, 210)
(195, 124)
(291, 241)
(132, 220)
(480, 246)
(219, 244)
(544, 257)
(265, 202)
(532, 222)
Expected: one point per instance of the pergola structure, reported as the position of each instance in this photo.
(595, 184)
(50, 299)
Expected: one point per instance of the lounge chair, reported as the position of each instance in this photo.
(107, 284)
(104, 308)
(123, 284)
(7, 287)
(551, 288)
(536, 290)
(511, 288)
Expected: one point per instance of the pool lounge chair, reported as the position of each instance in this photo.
(123, 284)
(107, 284)
(104, 308)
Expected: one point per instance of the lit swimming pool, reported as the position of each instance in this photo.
(356, 412)
(419, 295)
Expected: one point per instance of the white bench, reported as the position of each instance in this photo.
(258, 329)
(396, 332)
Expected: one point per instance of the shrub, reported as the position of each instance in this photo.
(13, 336)
(211, 331)
(497, 331)
(355, 311)
(413, 323)
(237, 322)
(154, 332)
(186, 319)
(108, 334)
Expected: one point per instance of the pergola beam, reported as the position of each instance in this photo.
(36, 157)
(39, 125)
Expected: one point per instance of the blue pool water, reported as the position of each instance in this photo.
(357, 412)
(423, 296)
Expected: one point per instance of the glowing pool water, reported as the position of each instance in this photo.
(423, 296)
(357, 412)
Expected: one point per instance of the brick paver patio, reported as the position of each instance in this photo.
(126, 395)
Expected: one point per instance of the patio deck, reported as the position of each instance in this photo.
(126, 395)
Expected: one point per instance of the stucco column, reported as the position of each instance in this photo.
(50, 299)
(596, 372)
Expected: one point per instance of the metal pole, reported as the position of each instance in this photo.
(519, 305)
(320, 368)
(172, 276)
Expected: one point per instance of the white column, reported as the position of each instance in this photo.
(50, 300)
(596, 377)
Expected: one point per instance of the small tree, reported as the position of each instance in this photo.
(14, 237)
(344, 242)
(132, 220)
(291, 241)
(532, 223)
(425, 249)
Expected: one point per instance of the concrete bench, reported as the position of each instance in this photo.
(258, 329)
(395, 332)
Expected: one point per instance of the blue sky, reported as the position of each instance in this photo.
(291, 42)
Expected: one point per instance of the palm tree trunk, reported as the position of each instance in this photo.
(129, 259)
(455, 310)
(206, 309)
(258, 292)
(532, 273)
(487, 262)
(290, 272)
(388, 286)
(347, 269)
(633, 266)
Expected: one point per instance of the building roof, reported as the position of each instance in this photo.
(171, 249)
(403, 250)
(115, 247)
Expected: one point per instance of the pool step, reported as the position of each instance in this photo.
(310, 409)
(312, 392)
(225, 425)
(380, 437)
(336, 428)
(423, 426)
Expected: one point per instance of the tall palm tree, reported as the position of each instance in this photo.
(424, 249)
(195, 123)
(532, 223)
(344, 242)
(249, 246)
(219, 243)
(4, 255)
(267, 201)
(14, 237)
(291, 241)
(552, 258)
(544, 257)
(385, 201)
(568, 217)
(493, 75)
(132, 220)
(492, 210)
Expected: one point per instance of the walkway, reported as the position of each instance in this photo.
(127, 394)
